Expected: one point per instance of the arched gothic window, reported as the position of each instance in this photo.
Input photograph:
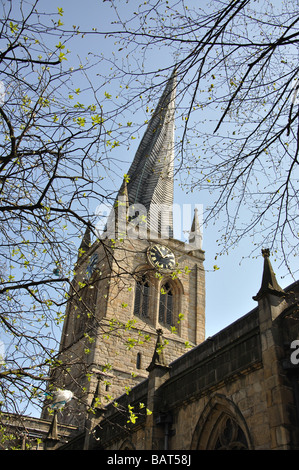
(141, 305)
(221, 426)
(230, 436)
(166, 305)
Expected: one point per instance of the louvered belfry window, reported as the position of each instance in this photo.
(166, 305)
(141, 305)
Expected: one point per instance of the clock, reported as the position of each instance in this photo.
(91, 265)
(161, 257)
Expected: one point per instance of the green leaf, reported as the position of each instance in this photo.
(126, 178)
(62, 57)
(60, 46)
(81, 121)
(13, 27)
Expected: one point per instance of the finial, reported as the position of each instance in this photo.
(159, 333)
(158, 359)
(195, 235)
(269, 282)
(52, 438)
(86, 241)
(266, 252)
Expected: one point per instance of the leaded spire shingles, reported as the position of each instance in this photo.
(151, 172)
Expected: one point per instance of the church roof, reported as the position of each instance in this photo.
(151, 172)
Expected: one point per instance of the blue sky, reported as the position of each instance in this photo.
(229, 289)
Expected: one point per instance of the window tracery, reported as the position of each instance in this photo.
(141, 304)
(230, 436)
(166, 305)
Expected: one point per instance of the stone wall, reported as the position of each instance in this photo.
(227, 364)
(102, 338)
(239, 376)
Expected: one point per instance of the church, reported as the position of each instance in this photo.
(133, 350)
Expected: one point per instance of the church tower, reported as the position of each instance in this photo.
(130, 285)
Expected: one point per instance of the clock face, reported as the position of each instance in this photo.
(161, 257)
(91, 265)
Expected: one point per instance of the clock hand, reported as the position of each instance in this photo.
(166, 255)
(160, 252)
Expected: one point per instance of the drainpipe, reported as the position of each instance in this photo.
(166, 420)
(166, 437)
